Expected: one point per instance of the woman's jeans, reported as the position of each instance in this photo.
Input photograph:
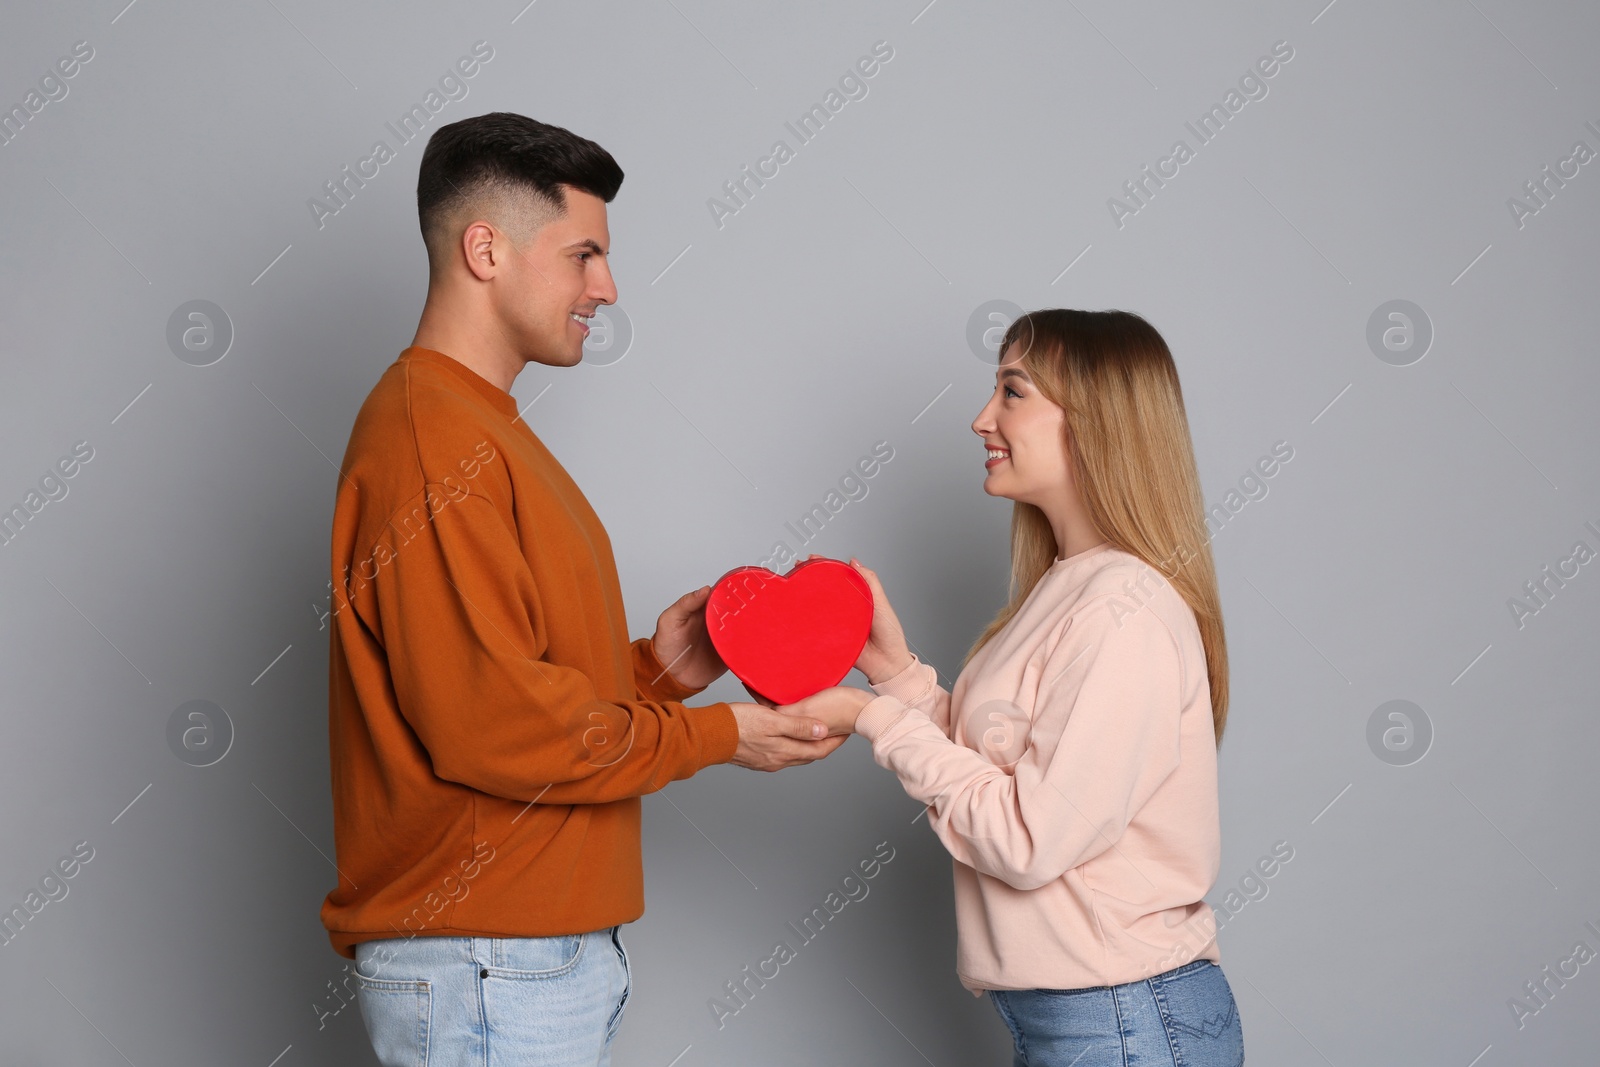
(433, 1001)
(1184, 1017)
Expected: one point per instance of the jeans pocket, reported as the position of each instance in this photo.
(397, 1014)
(535, 957)
(627, 983)
(548, 1000)
(1200, 1015)
(1002, 1005)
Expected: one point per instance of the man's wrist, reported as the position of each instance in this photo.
(725, 733)
(654, 677)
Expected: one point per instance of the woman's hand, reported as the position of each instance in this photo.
(769, 740)
(886, 653)
(838, 706)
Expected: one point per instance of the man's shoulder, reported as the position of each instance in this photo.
(420, 423)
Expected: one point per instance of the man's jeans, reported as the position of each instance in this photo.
(489, 1001)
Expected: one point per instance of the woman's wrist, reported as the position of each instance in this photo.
(881, 671)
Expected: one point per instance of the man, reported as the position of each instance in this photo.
(491, 726)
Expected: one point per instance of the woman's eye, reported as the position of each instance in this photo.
(1013, 392)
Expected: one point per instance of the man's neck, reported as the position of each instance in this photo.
(470, 340)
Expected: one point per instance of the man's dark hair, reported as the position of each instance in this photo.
(508, 168)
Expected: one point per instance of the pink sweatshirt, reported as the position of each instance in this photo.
(1072, 774)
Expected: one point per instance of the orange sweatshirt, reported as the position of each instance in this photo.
(491, 726)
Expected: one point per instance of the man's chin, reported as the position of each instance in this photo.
(560, 357)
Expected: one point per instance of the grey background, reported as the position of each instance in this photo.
(189, 559)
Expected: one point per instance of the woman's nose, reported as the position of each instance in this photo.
(982, 424)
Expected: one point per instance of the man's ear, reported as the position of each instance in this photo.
(479, 242)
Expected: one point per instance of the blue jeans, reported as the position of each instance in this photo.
(432, 1001)
(1184, 1017)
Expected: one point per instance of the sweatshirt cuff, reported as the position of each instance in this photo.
(655, 682)
(878, 715)
(914, 681)
(719, 732)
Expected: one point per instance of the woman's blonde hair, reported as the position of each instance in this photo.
(1127, 437)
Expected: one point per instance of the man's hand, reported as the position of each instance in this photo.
(682, 644)
(770, 740)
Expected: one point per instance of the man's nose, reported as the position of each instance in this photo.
(604, 288)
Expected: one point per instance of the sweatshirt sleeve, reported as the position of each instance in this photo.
(465, 632)
(917, 686)
(651, 677)
(1104, 736)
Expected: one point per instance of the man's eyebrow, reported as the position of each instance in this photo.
(590, 243)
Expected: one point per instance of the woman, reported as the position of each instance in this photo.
(1072, 770)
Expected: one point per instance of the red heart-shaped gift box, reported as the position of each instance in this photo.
(788, 636)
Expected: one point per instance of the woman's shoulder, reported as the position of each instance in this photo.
(1121, 586)
(1115, 571)
(1128, 610)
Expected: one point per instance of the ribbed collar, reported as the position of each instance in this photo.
(503, 401)
(1076, 558)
